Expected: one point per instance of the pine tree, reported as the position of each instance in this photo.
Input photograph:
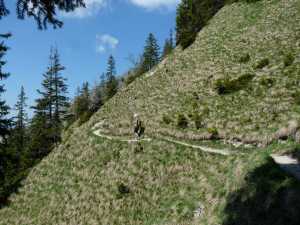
(59, 99)
(19, 132)
(168, 46)
(192, 16)
(4, 109)
(42, 11)
(82, 104)
(151, 54)
(111, 81)
(97, 95)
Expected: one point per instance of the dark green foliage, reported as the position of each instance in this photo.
(19, 136)
(213, 131)
(122, 190)
(166, 119)
(182, 121)
(262, 63)
(111, 81)
(197, 120)
(169, 45)
(227, 86)
(151, 55)
(288, 59)
(81, 103)
(296, 96)
(245, 58)
(4, 109)
(44, 11)
(192, 16)
(3, 10)
(267, 82)
(53, 101)
(97, 95)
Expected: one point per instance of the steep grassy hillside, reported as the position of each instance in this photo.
(239, 79)
(250, 53)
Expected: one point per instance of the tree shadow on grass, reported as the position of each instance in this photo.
(269, 197)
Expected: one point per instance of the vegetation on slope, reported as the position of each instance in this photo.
(254, 48)
(89, 180)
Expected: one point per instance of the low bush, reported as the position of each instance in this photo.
(288, 59)
(182, 121)
(197, 120)
(123, 190)
(262, 63)
(267, 82)
(213, 131)
(244, 58)
(296, 97)
(166, 119)
(227, 86)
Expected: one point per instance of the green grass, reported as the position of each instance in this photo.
(90, 180)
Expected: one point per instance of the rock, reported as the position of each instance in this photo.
(297, 136)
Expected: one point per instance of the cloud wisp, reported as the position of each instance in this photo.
(92, 8)
(106, 42)
(155, 4)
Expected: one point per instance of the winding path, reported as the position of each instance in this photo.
(286, 163)
(98, 132)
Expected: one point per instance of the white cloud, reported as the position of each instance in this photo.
(92, 7)
(154, 4)
(106, 42)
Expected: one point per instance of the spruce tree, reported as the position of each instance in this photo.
(97, 94)
(111, 81)
(82, 103)
(42, 11)
(4, 109)
(19, 132)
(151, 55)
(59, 99)
(168, 46)
(192, 16)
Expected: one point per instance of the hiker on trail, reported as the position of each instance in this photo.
(139, 129)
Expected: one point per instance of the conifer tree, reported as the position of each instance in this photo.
(4, 109)
(59, 98)
(50, 109)
(151, 54)
(168, 46)
(19, 132)
(81, 105)
(97, 95)
(192, 16)
(111, 81)
(42, 11)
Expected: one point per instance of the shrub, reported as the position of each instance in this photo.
(213, 131)
(296, 97)
(245, 58)
(262, 63)
(197, 120)
(182, 121)
(267, 82)
(122, 190)
(166, 119)
(226, 86)
(288, 59)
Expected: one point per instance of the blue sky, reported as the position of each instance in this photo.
(88, 37)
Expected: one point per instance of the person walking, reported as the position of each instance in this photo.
(139, 129)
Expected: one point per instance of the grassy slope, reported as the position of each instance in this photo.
(79, 182)
(185, 83)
